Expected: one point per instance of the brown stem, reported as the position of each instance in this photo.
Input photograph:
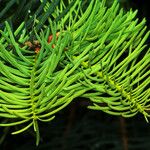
(123, 133)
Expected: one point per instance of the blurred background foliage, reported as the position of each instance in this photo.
(81, 129)
(17, 11)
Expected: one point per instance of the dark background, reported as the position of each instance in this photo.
(75, 127)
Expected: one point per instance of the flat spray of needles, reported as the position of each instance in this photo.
(98, 53)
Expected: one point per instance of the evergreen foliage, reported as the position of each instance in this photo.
(98, 53)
